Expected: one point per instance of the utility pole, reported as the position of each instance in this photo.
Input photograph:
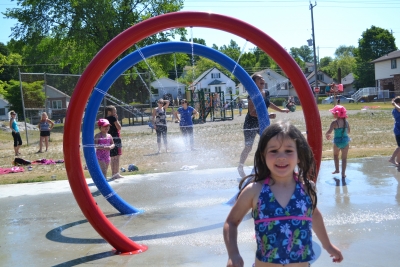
(315, 56)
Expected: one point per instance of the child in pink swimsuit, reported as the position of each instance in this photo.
(104, 143)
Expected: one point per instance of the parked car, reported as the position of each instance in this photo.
(343, 100)
(245, 103)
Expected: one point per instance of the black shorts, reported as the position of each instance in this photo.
(117, 150)
(44, 133)
(250, 129)
(398, 140)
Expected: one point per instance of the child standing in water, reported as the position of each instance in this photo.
(341, 129)
(115, 131)
(396, 129)
(283, 203)
(104, 143)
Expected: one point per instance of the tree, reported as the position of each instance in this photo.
(77, 30)
(323, 62)
(375, 43)
(345, 62)
(34, 97)
(304, 53)
(345, 50)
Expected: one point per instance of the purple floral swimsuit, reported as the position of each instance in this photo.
(102, 154)
(283, 234)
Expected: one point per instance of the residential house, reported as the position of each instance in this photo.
(348, 84)
(4, 105)
(164, 86)
(213, 81)
(276, 84)
(323, 80)
(56, 102)
(387, 73)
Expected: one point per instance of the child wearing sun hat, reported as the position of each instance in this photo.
(104, 143)
(341, 128)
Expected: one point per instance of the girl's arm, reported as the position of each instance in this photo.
(176, 115)
(116, 123)
(396, 106)
(154, 118)
(348, 127)
(11, 121)
(166, 103)
(230, 231)
(96, 141)
(328, 133)
(51, 124)
(274, 107)
(320, 230)
(112, 145)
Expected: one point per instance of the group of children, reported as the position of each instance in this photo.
(45, 125)
(108, 143)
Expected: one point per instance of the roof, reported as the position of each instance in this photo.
(215, 82)
(348, 79)
(202, 76)
(56, 90)
(391, 55)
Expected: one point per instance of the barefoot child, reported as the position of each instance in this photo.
(283, 203)
(396, 129)
(341, 128)
(115, 131)
(104, 143)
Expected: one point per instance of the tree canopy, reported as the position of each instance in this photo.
(74, 31)
(375, 43)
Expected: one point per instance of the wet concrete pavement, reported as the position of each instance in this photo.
(41, 224)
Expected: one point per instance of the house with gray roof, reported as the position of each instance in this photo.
(387, 72)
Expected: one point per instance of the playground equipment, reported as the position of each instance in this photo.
(211, 104)
(125, 40)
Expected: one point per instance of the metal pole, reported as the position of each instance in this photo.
(315, 56)
(23, 106)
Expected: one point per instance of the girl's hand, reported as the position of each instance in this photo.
(235, 261)
(328, 136)
(335, 253)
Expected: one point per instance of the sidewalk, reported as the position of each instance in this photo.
(41, 224)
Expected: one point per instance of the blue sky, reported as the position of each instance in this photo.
(336, 23)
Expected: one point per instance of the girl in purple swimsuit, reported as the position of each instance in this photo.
(104, 143)
(283, 203)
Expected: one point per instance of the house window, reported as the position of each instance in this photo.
(56, 104)
(215, 75)
(2, 111)
(218, 89)
(320, 77)
(393, 64)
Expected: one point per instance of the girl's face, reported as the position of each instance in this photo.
(113, 112)
(281, 157)
(104, 129)
(260, 82)
(44, 116)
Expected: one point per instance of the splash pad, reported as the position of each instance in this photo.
(124, 41)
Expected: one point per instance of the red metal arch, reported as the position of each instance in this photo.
(124, 41)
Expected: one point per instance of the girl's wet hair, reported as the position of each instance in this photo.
(109, 109)
(257, 76)
(306, 166)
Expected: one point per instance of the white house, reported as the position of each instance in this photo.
(213, 81)
(163, 86)
(276, 84)
(387, 72)
(4, 109)
(348, 84)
